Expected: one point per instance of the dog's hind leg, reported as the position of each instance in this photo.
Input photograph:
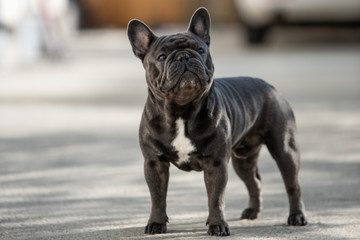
(283, 147)
(246, 169)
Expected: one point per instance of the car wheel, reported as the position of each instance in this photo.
(256, 34)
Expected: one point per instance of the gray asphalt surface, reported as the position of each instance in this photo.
(71, 168)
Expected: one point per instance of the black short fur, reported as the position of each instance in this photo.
(222, 119)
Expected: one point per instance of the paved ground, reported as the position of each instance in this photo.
(71, 168)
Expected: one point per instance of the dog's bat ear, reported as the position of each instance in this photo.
(140, 37)
(200, 24)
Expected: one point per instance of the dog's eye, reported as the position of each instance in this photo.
(201, 51)
(161, 58)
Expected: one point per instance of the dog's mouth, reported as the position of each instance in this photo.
(189, 81)
(186, 81)
(187, 88)
(184, 76)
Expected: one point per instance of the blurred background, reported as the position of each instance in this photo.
(72, 92)
(41, 36)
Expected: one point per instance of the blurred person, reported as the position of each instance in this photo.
(55, 29)
(33, 28)
(20, 32)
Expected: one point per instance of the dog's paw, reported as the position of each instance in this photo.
(250, 214)
(297, 219)
(218, 229)
(155, 228)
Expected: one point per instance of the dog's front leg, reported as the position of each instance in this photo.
(157, 178)
(216, 176)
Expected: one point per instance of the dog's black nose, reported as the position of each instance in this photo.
(180, 56)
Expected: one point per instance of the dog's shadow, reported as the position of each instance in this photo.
(241, 228)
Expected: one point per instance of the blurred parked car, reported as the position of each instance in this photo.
(259, 15)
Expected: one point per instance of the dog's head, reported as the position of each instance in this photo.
(178, 66)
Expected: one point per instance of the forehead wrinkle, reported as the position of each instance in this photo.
(175, 41)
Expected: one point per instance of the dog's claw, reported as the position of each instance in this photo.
(297, 219)
(217, 230)
(155, 228)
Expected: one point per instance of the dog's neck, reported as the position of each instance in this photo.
(174, 111)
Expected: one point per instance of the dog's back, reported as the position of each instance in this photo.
(252, 96)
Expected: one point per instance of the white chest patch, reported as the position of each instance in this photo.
(181, 143)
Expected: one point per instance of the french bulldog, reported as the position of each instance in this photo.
(196, 122)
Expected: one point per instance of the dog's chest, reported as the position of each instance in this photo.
(181, 143)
